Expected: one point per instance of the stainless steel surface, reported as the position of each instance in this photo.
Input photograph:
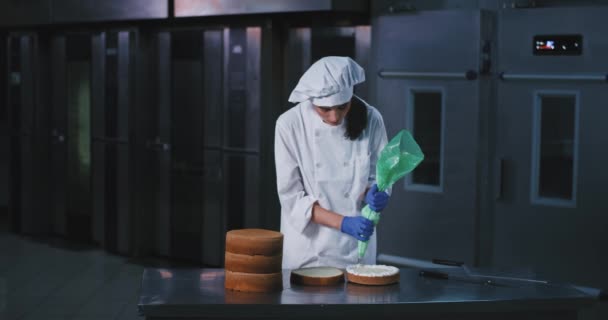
(422, 75)
(556, 77)
(94, 10)
(433, 61)
(464, 278)
(551, 233)
(213, 55)
(200, 292)
(251, 127)
(19, 13)
(190, 8)
(505, 278)
(518, 28)
(241, 115)
(362, 54)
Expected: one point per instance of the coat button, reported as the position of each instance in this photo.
(317, 133)
(318, 165)
(345, 164)
(346, 195)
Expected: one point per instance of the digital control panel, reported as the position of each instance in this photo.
(557, 45)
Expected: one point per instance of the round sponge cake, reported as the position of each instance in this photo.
(374, 275)
(253, 282)
(317, 276)
(254, 242)
(253, 263)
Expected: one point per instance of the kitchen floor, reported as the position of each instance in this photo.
(50, 279)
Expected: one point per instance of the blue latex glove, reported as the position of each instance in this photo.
(377, 201)
(358, 227)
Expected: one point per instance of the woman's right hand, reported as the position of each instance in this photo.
(358, 227)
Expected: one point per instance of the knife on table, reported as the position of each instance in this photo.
(599, 293)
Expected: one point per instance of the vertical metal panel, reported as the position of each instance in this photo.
(27, 85)
(123, 174)
(187, 163)
(253, 60)
(445, 222)
(363, 43)
(235, 120)
(487, 134)
(99, 186)
(164, 135)
(26, 130)
(297, 58)
(14, 162)
(213, 230)
(213, 72)
(27, 219)
(124, 84)
(4, 75)
(98, 113)
(98, 120)
(41, 140)
(111, 140)
(58, 131)
(144, 160)
(241, 183)
(4, 141)
(124, 227)
(79, 93)
(273, 102)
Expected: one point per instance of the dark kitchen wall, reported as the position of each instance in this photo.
(148, 135)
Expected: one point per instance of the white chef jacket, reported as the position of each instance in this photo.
(316, 162)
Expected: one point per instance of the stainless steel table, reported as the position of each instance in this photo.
(200, 294)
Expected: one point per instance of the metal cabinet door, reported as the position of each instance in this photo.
(4, 146)
(427, 65)
(187, 142)
(21, 131)
(186, 138)
(75, 76)
(550, 208)
(214, 230)
(241, 117)
(58, 136)
(113, 98)
(242, 191)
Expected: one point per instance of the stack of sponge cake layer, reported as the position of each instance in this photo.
(253, 260)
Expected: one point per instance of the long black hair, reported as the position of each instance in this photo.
(356, 118)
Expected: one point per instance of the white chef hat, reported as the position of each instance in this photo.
(328, 82)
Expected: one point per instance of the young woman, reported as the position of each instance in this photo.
(326, 148)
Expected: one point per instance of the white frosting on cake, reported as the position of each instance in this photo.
(370, 270)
